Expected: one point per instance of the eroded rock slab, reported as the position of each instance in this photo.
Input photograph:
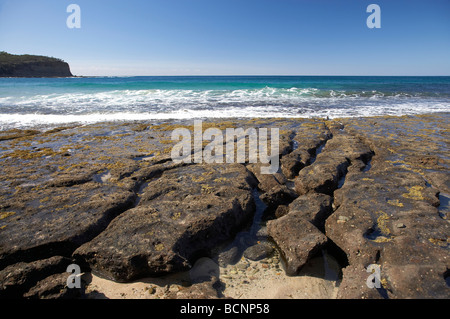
(383, 178)
(43, 222)
(298, 240)
(299, 233)
(308, 139)
(181, 215)
(54, 287)
(331, 165)
(16, 279)
(392, 220)
(314, 207)
(389, 216)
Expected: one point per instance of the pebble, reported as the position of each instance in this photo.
(401, 225)
(174, 288)
(342, 219)
(242, 266)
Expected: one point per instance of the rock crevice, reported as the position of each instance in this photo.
(315, 184)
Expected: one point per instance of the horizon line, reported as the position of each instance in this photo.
(253, 75)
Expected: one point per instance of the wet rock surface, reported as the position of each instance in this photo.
(109, 198)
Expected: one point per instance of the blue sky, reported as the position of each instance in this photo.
(233, 37)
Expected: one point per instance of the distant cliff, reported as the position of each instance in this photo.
(32, 66)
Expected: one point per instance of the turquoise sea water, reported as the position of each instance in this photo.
(30, 102)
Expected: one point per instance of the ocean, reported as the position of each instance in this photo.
(26, 102)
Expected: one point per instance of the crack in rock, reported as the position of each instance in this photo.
(316, 184)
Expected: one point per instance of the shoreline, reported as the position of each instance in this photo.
(368, 190)
(156, 121)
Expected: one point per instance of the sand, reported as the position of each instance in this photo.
(247, 279)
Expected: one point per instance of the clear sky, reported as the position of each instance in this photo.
(233, 37)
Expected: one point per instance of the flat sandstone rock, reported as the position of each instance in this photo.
(109, 198)
(184, 213)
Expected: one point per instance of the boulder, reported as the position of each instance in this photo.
(228, 257)
(259, 251)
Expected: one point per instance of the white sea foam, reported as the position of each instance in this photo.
(33, 119)
(118, 98)
(157, 104)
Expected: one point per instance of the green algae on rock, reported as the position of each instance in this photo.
(108, 196)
